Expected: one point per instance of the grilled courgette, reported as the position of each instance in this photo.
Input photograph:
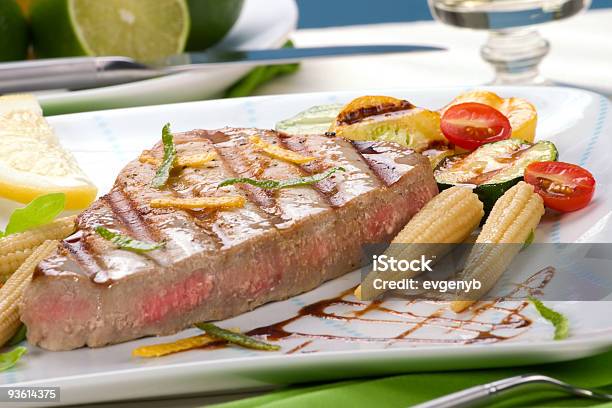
(493, 168)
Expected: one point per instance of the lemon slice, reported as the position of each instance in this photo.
(32, 161)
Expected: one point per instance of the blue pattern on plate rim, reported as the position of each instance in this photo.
(555, 234)
(110, 137)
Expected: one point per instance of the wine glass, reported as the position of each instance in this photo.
(514, 47)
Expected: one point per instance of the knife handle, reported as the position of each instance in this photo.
(70, 73)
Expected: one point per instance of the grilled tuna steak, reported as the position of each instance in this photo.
(217, 264)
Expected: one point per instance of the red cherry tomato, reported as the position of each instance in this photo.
(563, 186)
(470, 125)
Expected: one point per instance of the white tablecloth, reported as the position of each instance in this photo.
(581, 55)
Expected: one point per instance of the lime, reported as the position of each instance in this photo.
(13, 32)
(141, 29)
(211, 20)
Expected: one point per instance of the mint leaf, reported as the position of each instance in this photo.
(127, 243)
(40, 211)
(557, 319)
(276, 184)
(236, 338)
(163, 171)
(267, 184)
(9, 359)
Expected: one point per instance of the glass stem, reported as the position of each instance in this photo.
(515, 56)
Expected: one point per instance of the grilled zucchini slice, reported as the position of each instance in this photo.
(493, 168)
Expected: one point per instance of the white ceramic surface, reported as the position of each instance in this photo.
(578, 122)
(262, 24)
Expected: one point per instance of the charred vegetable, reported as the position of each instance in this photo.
(390, 119)
(493, 168)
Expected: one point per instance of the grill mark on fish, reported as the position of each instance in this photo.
(388, 163)
(187, 183)
(78, 249)
(231, 150)
(130, 197)
(341, 187)
(326, 188)
(130, 216)
(207, 219)
(230, 227)
(222, 227)
(282, 207)
(294, 203)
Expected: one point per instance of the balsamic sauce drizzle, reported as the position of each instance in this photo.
(477, 331)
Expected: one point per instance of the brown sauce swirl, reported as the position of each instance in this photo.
(477, 331)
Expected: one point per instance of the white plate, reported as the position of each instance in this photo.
(262, 24)
(578, 122)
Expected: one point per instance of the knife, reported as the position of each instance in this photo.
(90, 72)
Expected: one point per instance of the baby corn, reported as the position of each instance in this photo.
(11, 292)
(10, 262)
(512, 219)
(58, 229)
(449, 218)
(15, 248)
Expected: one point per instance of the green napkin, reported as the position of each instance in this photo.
(259, 76)
(409, 389)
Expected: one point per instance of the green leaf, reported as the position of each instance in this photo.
(18, 337)
(163, 171)
(127, 243)
(236, 338)
(267, 184)
(276, 184)
(40, 211)
(557, 319)
(9, 359)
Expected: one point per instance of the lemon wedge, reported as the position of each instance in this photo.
(32, 161)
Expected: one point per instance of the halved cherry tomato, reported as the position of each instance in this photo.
(563, 186)
(470, 125)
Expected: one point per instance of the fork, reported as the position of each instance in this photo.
(481, 393)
